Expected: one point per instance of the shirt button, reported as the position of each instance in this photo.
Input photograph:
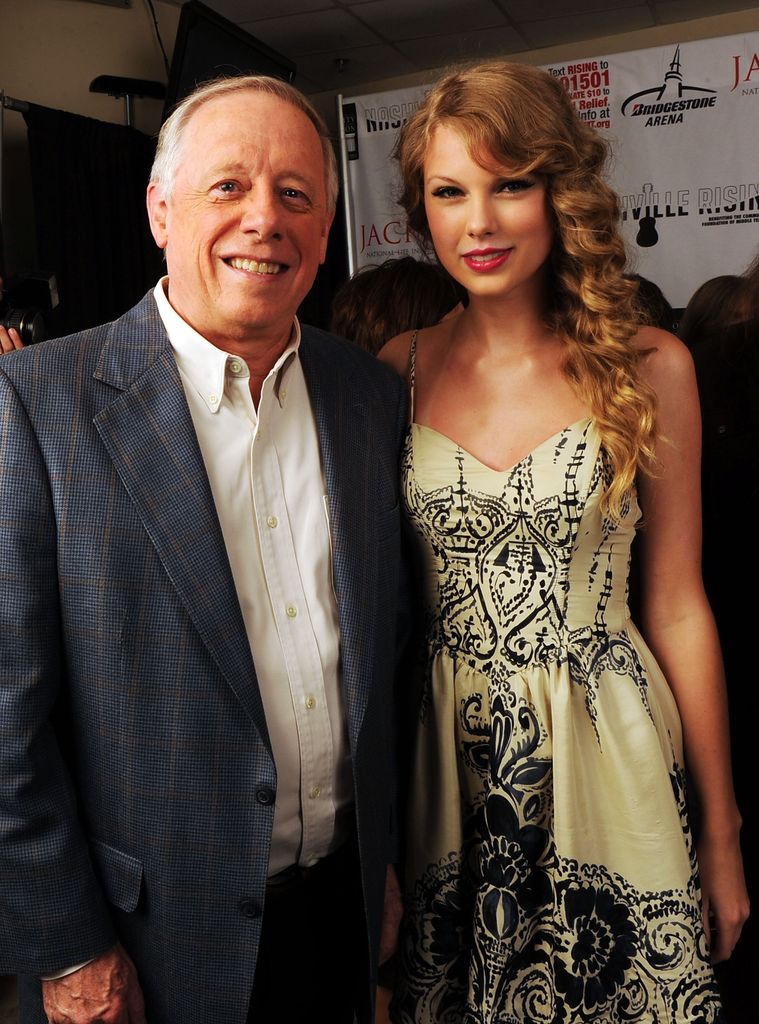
(265, 795)
(316, 791)
(235, 366)
(291, 610)
(213, 399)
(272, 522)
(249, 908)
(283, 394)
(310, 703)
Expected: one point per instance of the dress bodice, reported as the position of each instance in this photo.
(518, 562)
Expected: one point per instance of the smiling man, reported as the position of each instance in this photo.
(199, 609)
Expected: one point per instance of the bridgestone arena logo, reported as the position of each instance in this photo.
(641, 109)
(667, 102)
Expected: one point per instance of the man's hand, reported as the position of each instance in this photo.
(106, 991)
(9, 340)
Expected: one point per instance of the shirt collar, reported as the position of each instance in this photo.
(204, 365)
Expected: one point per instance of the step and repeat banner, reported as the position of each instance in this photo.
(376, 225)
(683, 122)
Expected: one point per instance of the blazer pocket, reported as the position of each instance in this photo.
(121, 875)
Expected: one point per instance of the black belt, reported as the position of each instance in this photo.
(298, 874)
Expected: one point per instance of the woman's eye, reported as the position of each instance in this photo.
(446, 192)
(516, 185)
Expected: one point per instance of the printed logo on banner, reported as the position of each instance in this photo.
(717, 206)
(668, 102)
(739, 78)
(648, 206)
(389, 118)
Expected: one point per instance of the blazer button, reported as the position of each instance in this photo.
(250, 908)
(265, 795)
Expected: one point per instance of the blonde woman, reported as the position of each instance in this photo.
(552, 873)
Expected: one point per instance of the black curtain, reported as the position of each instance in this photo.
(316, 308)
(89, 179)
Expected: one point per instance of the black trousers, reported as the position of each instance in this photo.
(312, 959)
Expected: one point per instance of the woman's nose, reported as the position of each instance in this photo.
(481, 216)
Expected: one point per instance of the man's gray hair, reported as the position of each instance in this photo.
(169, 149)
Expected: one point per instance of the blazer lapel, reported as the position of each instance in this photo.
(149, 434)
(349, 472)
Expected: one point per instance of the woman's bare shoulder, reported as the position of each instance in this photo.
(665, 361)
(396, 353)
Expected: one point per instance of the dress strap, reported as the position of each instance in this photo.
(412, 375)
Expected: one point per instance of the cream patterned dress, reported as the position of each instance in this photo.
(551, 876)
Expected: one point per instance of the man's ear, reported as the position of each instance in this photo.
(325, 236)
(158, 211)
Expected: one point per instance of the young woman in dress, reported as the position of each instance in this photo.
(551, 869)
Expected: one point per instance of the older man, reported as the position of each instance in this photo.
(199, 544)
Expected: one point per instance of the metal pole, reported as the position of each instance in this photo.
(13, 104)
(347, 204)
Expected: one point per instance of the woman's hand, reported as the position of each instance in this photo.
(723, 888)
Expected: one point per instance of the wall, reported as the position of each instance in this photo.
(51, 50)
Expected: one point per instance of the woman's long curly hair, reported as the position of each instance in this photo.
(521, 118)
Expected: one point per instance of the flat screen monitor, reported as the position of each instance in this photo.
(209, 46)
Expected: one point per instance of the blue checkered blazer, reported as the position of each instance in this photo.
(135, 766)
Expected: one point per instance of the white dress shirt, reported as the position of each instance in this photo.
(264, 468)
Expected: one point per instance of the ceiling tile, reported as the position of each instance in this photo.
(321, 32)
(365, 64)
(683, 10)
(437, 51)
(398, 19)
(553, 31)
(536, 10)
(239, 11)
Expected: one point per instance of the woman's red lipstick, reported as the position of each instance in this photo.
(484, 260)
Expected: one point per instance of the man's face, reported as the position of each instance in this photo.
(246, 226)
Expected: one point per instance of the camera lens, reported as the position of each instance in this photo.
(28, 322)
